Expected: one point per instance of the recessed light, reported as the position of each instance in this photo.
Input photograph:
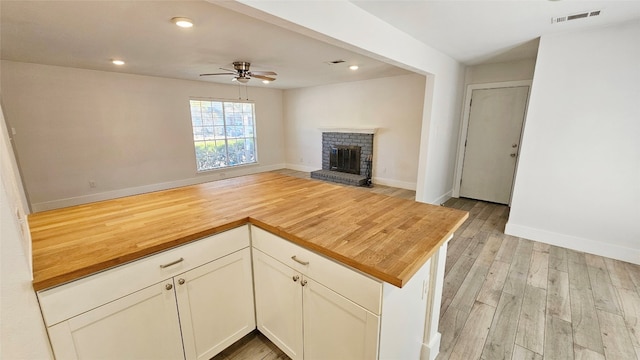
(183, 22)
(117, 62)
(354, 67)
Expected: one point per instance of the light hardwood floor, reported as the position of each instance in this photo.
(509, 298)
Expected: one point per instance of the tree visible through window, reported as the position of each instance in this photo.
(223, 133)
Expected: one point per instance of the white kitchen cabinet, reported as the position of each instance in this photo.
(196, 308)
(215, 303)
(304, 318)
(142, 325)
(345, 313)
(278, 297)
(335, 327)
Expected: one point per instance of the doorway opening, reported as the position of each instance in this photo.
(490, 140)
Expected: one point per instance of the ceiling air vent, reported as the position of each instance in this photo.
(334, 62)
(582, 15)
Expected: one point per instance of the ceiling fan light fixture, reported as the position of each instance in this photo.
(265, 81)
(183, 22)
(242, 80)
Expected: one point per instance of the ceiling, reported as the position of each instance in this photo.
(88, 34)
(481, 31)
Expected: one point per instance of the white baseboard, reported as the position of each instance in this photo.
(304, 168)
(202, 178)
(394, 183)
(376, 180)
(575, 243)
(442, 199)
(431, 350)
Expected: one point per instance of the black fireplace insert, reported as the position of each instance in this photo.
(345, 159)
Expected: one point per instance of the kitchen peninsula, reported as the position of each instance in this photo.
(384, 256)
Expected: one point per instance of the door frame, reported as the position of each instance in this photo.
(462, 135)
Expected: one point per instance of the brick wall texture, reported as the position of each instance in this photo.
(365, 141)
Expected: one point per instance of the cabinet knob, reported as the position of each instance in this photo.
(168, 286)
(303, 282)
(181, 281)
(296, 278)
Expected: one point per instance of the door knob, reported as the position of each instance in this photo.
(513, 155)
(296, 278)
(181, 281)
(514, 145)
(168, 286)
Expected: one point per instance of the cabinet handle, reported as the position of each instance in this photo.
(299, 261)
(168, 286)
(303, 282)
(171, 263)
(181, 281)
(296, 278)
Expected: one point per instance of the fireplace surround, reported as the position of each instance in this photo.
(346, 157)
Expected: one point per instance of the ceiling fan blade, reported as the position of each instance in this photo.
(263, 73)
(263, 77)
(225, 69)
(218, 74)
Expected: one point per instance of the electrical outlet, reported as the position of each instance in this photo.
(92, 184)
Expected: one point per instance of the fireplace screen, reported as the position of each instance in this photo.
(345, 159)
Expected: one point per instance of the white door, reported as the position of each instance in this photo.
(335, 327)
(142, 325)
(278, 303)
(493, 143)
(215, 303)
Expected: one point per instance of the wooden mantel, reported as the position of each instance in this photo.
(387, 238)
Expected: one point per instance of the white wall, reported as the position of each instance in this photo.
(128, 133)
(578, 180)
(393, 105)
(342, 23)
(22, 331)
(500, 72)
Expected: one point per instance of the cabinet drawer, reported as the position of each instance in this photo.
(65, 301)
(350, 283)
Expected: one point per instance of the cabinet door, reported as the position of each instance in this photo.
(278, 303)
(335, 327)
(215, 303)
(142, 325)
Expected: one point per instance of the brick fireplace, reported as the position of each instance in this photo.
(346, 156)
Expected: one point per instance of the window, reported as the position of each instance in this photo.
(223, 133)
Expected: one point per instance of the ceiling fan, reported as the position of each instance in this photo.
(242, 73)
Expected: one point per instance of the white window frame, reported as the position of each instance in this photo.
(215, 140)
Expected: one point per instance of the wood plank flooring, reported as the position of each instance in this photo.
(529, 300)
(510, 298)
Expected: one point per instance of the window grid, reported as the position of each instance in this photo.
(223, 133)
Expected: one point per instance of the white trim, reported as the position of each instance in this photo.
(210, 176)
(431, 350)
(442, 199)
(575, 243)
(299, 167)
(462, 136)
(363, 130)
(394, 183)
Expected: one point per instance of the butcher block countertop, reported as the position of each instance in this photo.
(385, 237)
